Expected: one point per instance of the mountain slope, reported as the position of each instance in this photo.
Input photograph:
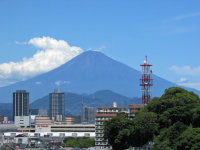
(89, 72)
(73, 102)
(6, 110)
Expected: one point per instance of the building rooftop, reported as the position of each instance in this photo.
(113, 107)
(105, 115)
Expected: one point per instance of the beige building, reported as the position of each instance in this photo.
(43, 124)
(73, 119)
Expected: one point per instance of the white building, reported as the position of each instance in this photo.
(103, 114)
(22, 121)
(21, 139)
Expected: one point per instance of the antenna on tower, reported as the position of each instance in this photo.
(146, 82)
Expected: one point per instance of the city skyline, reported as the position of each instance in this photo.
(167, 32)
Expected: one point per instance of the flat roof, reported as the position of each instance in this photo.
(105, 115)
(73, 125)
(112, 107)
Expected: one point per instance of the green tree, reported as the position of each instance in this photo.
(118, 131)
(177, 109)
(174, 96)
(86, 142)
(195, 116)
(122, 133)
(167, 136)
(164, 120)
(145, 127)
(79, 142)
(72, 143)
(189, 139)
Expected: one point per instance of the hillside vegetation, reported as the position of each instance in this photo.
(171, 122)
(73, 102)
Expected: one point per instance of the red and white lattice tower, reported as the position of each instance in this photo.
(146, 82)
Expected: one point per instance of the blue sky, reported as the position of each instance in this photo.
(167, 31)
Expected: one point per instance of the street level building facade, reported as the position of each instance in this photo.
(20, 103)
(57, 106)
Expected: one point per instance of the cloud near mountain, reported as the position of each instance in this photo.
(50, 54)
(186, 70)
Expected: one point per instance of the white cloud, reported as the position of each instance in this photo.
(60, 82)
(51, 53)
(182, 80)
(100, 49)
(89, 49)
(182, 17)
(21, 43)
(191, 85)
(38, 82)
(186, 70)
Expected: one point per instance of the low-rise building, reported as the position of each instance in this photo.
(72, 119)
(8, 128)
(43, 124)
(21, 139)
(76, 128)
(22, 121)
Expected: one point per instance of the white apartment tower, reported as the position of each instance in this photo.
(103, 114)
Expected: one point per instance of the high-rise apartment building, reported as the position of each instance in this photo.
(88, 114)
(20, 103)
(103, 114)
(57, 106)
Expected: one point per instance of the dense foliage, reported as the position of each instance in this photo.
(79, 142)
(171, 122)
(118, 131)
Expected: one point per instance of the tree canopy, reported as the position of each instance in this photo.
(118, 131)
(168, 121)
(79, 142)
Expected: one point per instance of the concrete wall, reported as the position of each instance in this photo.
(42, 128)
(22, 121)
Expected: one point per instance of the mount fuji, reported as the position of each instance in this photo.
(89, 72)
